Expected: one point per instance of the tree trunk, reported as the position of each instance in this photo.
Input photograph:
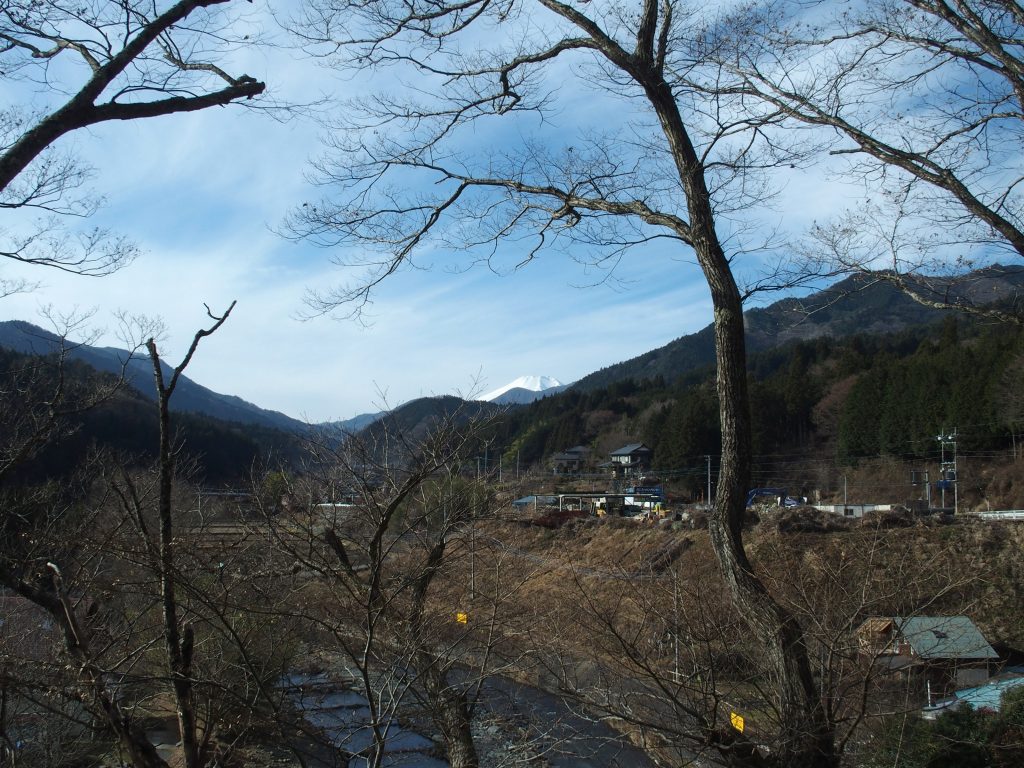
(805, 735)
(178, 647)
(806, 738)
(450, 710)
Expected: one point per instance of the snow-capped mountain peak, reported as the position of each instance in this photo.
(531, 383)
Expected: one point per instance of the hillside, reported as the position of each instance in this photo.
(414, 419)
(23, 337)
(820, 409)
(856, 305)
(967, 564)
(123, 427)
(607, 598)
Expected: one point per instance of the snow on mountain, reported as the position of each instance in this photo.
(531, 383)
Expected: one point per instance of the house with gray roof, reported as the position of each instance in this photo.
(949, 651)
(571, 461)
(631, 459)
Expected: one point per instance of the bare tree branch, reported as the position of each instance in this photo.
(142, 61)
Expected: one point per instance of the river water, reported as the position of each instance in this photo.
(515, 725)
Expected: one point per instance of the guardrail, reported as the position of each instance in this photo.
(1005, 514)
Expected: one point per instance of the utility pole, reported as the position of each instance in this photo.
(845, 505)
(948, 468)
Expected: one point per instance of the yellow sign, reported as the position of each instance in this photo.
(463, 618)
(737, 721)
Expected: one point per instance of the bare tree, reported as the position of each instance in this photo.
(91, 63)
(657, 647)
(46, 562)
(923, 98)
(111, 689)
(381, 521)
(178, 635)
(40, 398)
(99, 558)
(681, 165)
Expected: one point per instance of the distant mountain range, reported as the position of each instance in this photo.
(854, 305)
(524, 390)
(356, 423)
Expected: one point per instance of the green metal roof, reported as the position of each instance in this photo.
(944, 637)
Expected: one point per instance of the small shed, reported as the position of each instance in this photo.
(852, 510)
(988, 696)
(528, 503)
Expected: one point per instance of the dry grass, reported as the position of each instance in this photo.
(968, 566)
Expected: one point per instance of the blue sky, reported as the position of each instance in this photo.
(201, 193)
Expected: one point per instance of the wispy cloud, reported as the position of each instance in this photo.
(200, 193)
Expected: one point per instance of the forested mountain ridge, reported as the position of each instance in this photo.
(99, 415)
(823, 380)
(855, 305)
(26, 338)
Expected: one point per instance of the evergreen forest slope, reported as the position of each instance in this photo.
(817, 406)
(124, 426)
(856, 305)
